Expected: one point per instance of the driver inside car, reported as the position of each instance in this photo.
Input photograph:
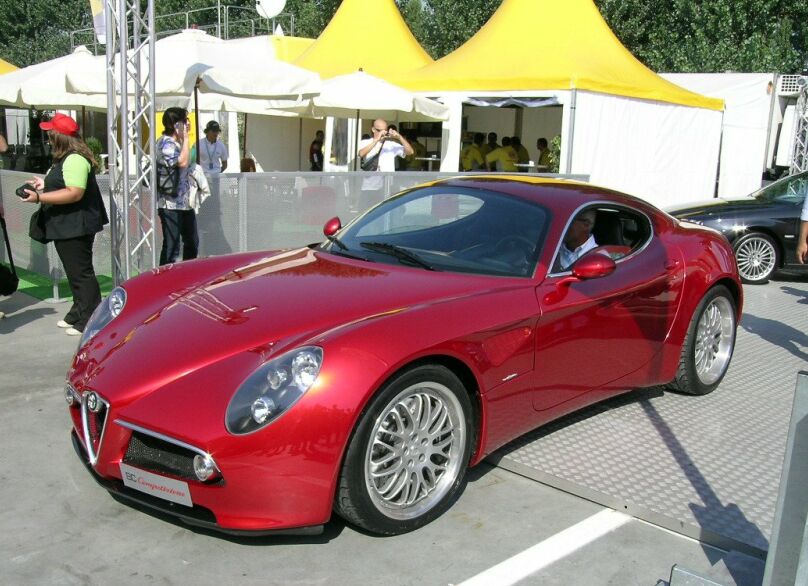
(578, 240)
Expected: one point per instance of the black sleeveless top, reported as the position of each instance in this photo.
(82, 218)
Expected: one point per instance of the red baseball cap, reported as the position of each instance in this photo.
(61, 123)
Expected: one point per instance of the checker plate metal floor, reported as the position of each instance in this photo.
(707, 467)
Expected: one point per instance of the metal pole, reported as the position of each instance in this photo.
(571, 132)
(196, 117)
(130, 122)
(787, 561)
(799, 154)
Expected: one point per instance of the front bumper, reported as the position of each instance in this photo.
(197, 516)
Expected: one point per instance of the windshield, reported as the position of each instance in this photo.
(787, 190)
(448, 229)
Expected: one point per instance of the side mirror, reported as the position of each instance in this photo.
(593, 266)
(332, 226)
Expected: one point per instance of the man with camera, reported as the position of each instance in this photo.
(378, 153)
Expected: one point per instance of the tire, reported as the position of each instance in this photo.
(709, 344)
(407, 459)
(757, 256)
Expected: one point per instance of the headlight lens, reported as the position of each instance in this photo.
(106, 311)
(272, 389)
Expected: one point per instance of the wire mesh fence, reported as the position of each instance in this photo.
(246, 212)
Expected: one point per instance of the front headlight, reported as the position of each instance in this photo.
(272, 389)
(106, 311)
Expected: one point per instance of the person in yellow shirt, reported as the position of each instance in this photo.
(521, 152)
(545, 160)
(491, 144)
(504, 158)
(472, 158)
(411, 162)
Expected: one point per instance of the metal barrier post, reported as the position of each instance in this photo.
(242, 213)
(787, 562)
(55, 274)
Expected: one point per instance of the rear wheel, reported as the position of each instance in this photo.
(757, 257)
(709, 344)
(407, 460)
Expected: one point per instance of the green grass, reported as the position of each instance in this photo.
(40, 286)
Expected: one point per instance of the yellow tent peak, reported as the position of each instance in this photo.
(549, 45)
(289, 48)
(6, 67)
(367, 34)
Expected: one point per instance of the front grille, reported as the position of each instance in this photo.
(156, 455)
(95, 426)
(94, 411)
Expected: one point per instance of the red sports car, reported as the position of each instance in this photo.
(259, 392)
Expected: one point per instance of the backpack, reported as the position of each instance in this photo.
(168, 176)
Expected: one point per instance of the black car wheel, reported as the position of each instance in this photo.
(709, 344)
(757, 256)
(407, 460)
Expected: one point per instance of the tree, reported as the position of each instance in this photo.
(441, 26)
(715, 36)
(35, 31)
(666, 35)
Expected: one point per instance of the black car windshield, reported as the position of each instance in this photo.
(440, 228)
(787, 190)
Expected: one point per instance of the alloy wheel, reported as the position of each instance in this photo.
(714, 340)
(756, 257)
(416, 450)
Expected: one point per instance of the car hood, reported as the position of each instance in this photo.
(264, 306)
(706, 209)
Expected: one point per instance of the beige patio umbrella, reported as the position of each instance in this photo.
(361, 95)
(42, 86)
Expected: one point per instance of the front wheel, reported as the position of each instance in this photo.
(407, 459)
(709, 344)
(757, 257)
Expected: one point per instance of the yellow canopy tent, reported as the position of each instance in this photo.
(289, 48)
(620, 123)
(368, 35)
(547, 45)
(6, 67)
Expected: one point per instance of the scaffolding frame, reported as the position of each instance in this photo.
(130, 63)
(799, 156)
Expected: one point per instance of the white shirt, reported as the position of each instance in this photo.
(211, 155)
(567, 256)
(804, 214)
(387, 161)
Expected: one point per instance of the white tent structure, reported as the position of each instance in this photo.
(746, 125)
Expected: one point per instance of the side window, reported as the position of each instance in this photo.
(623, 228)
(616, 231)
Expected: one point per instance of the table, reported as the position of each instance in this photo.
(430, 159)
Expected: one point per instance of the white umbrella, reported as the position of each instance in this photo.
(229, 76)
(360, 93)
(43, 85)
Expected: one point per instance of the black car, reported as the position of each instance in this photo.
(762, 227)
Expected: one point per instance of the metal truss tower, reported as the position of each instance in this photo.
(799, 157)
(131, 129)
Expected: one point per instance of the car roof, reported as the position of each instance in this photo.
(560, 195)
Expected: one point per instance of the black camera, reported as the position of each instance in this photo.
(21, 190)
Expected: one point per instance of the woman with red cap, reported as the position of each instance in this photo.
(71, 213)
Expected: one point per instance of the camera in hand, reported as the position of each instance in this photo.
(21, 190)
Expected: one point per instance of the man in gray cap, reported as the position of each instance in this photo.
(212, 151)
